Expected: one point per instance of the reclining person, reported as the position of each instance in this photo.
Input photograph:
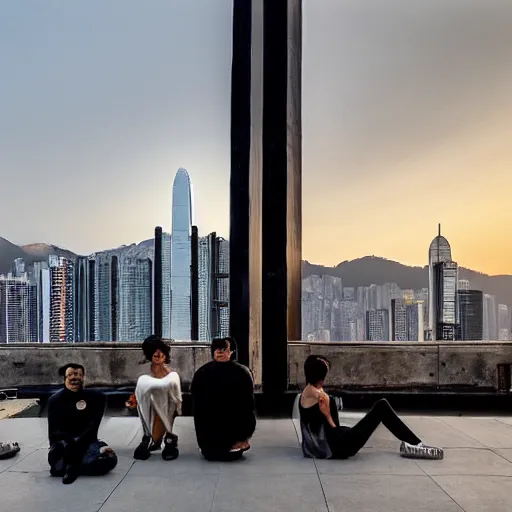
(324, 438)
(158, 399)
(223, 396)
(74, 417)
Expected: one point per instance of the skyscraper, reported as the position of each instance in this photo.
(84, 299)
(445, 308)
(18, 309)
(41, 275)
(503, 323)
(406, 320)
(221, 289)
(181, 257)
(166, 286)
(135, 293)
(62, 307)
(470, 303)
(213, 287)
(106, 296)
(490, 320)
(442, 296)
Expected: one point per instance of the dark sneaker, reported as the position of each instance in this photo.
(142, 451)
(420, 451)
(71, 475)
(170, 451)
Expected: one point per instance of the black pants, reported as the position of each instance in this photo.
(346, 442)
(91, 463)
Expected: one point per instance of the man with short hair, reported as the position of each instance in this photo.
(74, 417)
(324, 438)
(158, 400)
(223, 396)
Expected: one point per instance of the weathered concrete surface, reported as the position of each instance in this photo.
(472, 365)
(475, 474)
(106, 364)
(385, 365)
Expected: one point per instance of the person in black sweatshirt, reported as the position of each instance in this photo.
(324, 438)
(74, 417)
(223, 397)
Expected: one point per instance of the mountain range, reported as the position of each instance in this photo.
(359, 272)
(374, 270)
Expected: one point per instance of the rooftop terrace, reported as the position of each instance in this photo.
(476, 474)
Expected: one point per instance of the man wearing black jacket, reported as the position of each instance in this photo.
(74, 417)
(223, 396)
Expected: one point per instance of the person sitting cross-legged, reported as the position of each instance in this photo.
(324, 438)
(223, 397)
(74, 417)
(158, 400)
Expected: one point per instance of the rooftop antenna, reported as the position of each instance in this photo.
(439, 229)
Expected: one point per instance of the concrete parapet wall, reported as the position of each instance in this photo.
(386, 365)
(106, 364)
(404, 364)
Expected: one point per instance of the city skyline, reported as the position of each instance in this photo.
(427, 89)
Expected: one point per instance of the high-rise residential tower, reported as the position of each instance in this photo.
(503, 323)
(470, 303)
(181, 257)
(18, 309)
(135, 293)
(490, 319)
(62, 307)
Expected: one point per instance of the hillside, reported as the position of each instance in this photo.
(30, 253)
(373, 270)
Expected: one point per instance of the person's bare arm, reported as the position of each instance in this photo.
(324, 404)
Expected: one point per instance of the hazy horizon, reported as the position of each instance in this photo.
(406, 123)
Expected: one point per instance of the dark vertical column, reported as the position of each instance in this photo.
(151, 287)
(91, 300)
(240, 177)
(194, 285)
(114, 294)
(265, 235)
(281, 232)
(157, 280)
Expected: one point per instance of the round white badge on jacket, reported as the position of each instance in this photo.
(81, 405)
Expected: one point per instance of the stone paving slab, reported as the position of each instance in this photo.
(476, 473)
(386, 493)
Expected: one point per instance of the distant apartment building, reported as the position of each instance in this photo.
(135, 277)
(406, 320)
(490, 318)
(212, 287)
(18, 309)
(470, 303)
(377, 325)
(503, 323)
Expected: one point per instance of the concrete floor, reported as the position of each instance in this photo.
(476, 474)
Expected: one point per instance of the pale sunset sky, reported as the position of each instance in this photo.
(407, 122)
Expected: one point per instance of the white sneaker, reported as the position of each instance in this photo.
(420, 451)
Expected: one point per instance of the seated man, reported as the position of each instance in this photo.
(158, 400)
(223, 395)
(8, 450)
(324, 438)
(74, 417)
